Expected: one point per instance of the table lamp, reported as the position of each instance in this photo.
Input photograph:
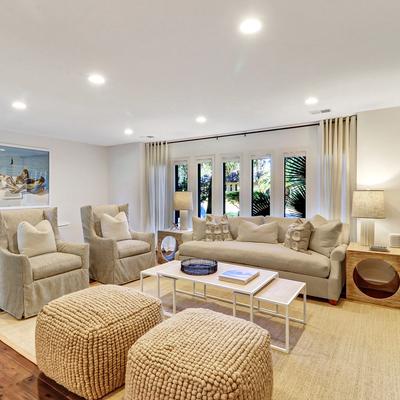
(183, 201)
(369, 205)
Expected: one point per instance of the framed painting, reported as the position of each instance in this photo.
(24, 177)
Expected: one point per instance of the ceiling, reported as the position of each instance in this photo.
(166, 62)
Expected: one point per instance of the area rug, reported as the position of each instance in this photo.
(346, 352)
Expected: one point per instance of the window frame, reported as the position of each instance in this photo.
(288, 154)
(261, 156)
(225, 159)
(175, 164)
(198, 162)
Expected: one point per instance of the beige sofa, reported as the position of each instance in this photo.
(28, 283)
(324, 276)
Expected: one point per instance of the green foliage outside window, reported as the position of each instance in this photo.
(295, 186)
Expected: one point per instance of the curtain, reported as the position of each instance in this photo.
(339, 152)
(156, 193)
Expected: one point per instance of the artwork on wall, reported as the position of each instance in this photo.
(24, 177)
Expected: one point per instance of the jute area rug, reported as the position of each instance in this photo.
(349, 351)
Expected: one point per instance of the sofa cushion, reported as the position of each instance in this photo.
(51, 264)
(265, 233)
(199, 228)
(283, 224)
(36, 240)
(269, 256)
(235, 221)
(116, 228)
(129, 248)
(326, 237)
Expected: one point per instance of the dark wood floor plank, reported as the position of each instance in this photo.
(20, 379)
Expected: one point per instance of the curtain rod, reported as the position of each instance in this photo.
(245, 133)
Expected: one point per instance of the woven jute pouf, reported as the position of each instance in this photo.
(82, 339)
(201, 355)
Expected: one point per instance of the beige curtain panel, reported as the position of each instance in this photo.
(157, 201)
(338, 178)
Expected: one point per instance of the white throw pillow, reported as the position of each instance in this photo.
(35, 240)
(265, 233)
(116, 228)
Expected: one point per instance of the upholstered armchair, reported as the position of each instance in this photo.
(111, 261)
(28, 283)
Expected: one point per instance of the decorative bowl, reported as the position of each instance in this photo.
(199, 266)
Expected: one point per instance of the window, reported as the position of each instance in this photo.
(181, 182)
(295, 186)
(231, 171)
(261, 186)
(204, 188)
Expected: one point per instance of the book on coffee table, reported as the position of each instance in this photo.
(238, 275)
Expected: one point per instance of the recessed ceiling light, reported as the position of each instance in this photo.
(97, 79)
(201, 119)
(128, 131)
(19, 105)
(311, 101)
(250, 26)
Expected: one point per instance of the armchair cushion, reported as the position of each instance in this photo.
(116, 228)
(51, 264)
(36, 240)
(128, 248)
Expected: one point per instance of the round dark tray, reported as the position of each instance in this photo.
(199, 266)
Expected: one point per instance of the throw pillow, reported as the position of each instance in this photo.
(35, 240)
(298, 236)
(265, 233)
(234, 223)
(116, 228)
(318, 220)
(217, 228)
(325, 237)
(199, 228)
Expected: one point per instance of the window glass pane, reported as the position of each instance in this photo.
(204, 174)
(261, 186)
(181, 178)
(181, 183)
(295, 186)
(231, 171)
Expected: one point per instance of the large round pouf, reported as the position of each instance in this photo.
(82, 339)
(201, 355)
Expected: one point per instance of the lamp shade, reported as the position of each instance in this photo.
(183, 201)
(368, 204)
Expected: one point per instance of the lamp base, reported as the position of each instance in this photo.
(367, 233)
(183, 220)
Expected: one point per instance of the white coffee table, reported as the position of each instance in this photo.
(266, 288)
(172, 270)
(282, 292)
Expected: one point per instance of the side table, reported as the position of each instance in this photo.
(168, 242)
(373, 276)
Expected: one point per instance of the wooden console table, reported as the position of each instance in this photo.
(373, 276)
(168, 242)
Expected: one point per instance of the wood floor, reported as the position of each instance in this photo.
(20, 379)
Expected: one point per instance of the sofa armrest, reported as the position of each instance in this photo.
(15, 269)
(147, 237)
(79, 249)
(339, 253)
(187, 237)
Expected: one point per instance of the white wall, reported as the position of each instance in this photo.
(126, 169)
(378, 163)
(78, 176)
(275, 144)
